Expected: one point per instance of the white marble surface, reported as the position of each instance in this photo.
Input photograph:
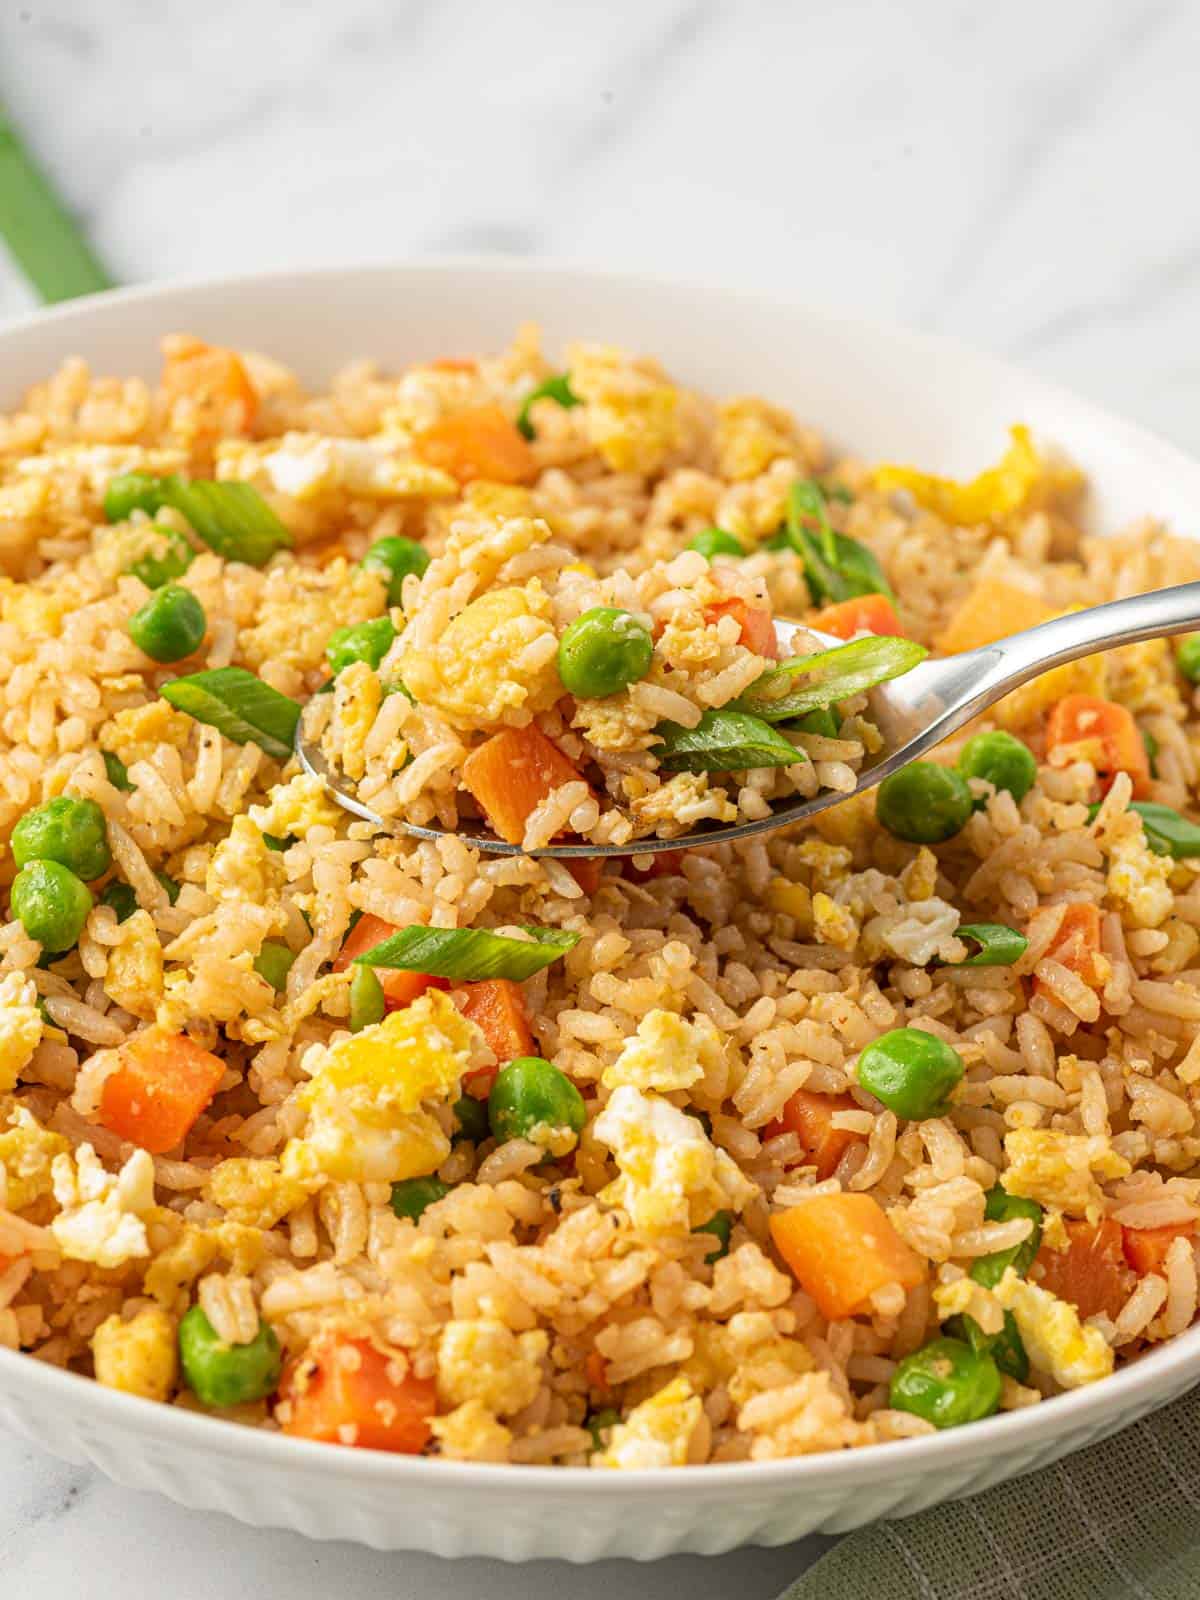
(1020, 176)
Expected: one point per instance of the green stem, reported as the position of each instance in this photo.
(43, 237)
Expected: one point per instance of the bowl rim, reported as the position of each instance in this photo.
(1008, 1431)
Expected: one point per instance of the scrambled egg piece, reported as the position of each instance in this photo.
(746, 1354)
(244, 867)
(255, 1190)
(1056, 1341)
(103, 1214)
(1061, 1169)
(666, 1053)
(672, 1177)
(471, 1433)
(95, 464)
(1138, 879)
(309, 466)
(295, 807)
(494, 664)
(364, 1101)
(299, 607)
(196, 1248)
(134, 976)
(21, 1027)
(791, 900)
(685, 799)
(138, 1356)
(656, 1433)
(135, 733)
(833, 923)
(31, 611)
(750, 435)
(26, 1152)
(630, 412)
(480, 1359)
(1022, 480)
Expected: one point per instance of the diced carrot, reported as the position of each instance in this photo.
(1077, 944)
(587, 872)
(479, 443)
(757, 629)
(1091, 1272)
(663, 864)
(5, 1263)
(511, 773)
(497, 1008)
(400, 989)
(347, 1391)
(454, 364)
(810, 1117)
(1105, 734)
(213, 380)
(596, 1370)
(162, 1083)
(1146, 1248)
(870, 613)
(842, 1248)
(992, 610)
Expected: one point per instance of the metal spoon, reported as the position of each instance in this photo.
(914, 713)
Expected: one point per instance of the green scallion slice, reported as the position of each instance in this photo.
(469, 954)
(239, 705)
(232, 518)
(999, 945)
(723, 741)
(806, 683)
(557, 388)
(45, 240)
(116, 773)
(836, 567)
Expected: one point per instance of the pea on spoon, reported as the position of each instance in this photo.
(913, 712)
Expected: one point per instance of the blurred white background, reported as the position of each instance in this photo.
(1019, 176)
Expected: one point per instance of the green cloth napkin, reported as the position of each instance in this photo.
(1118, 1521)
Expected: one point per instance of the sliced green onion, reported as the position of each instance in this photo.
(239, 705)
(119, 897)
(469, 954)
(723, 741)
(821, 722)
(232, 518)
(171, 886)
(836, 567)
(999, 945)
(116, 773)
(557, 388)
(279, 842)
(1167, 833)
(46, 241)
(1151, 744)
(807, 683)
(367, 1004)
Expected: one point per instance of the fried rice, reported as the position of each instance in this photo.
(561, 1297)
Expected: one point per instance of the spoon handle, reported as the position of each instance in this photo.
(1013, 661)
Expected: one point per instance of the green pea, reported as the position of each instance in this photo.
(121, 899)
(221, 1374)
(410, 1197)
(1006, 1348)
(720, 1225)
(530, 1093)
(1000, 1206)
(132, 491)
(471, 1116)
(170, 885)
(67, 830)
(367, 1004)
(600, 1424)
(114, 771)
(362, 641)
(273, 962)
(924, 803)
(947, 1383)
(1005, 762)
(716, 542)
(1188, 657)
(170, 625)
(912, 1072)
(396, 557)
(171, 561)
(51, 904)
(602, 651)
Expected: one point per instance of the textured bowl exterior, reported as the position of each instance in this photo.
(882, 392)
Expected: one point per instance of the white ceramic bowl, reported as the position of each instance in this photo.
(879, 392)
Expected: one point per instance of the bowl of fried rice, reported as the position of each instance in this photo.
(386, 1186)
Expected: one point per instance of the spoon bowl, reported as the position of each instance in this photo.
(913, 713)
